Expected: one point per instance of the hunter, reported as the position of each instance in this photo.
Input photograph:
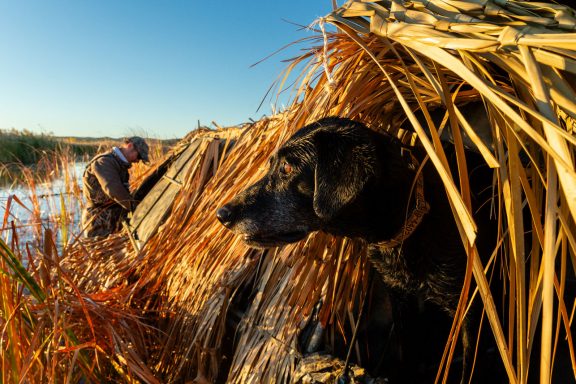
(106, 187)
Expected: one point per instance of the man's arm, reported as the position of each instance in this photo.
(107, 173)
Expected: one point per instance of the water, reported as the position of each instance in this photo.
(51, 205)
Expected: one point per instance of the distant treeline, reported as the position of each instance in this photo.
(25, 147)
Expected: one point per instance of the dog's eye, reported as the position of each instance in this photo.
(286, 168)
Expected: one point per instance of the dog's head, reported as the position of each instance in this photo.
(311, 179)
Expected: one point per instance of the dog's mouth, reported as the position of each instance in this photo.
(273, 240)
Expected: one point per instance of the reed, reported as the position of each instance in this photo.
(380, 68)
(163, 313)
(51, 330)
(389, 61)
(25, 147)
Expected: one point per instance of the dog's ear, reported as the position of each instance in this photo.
(344, 164)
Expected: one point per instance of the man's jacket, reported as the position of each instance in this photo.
(106, 189)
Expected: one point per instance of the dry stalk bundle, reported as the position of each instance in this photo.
(199, 277)
(387, 61)
(185, 282)
(112, 267)
(390, 59)
(73, 333)
(294, 281)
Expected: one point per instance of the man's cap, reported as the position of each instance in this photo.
(141, 146)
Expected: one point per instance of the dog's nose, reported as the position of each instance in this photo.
(224, 214)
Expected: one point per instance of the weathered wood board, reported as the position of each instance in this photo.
(157, 204)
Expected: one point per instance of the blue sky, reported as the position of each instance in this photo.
(151, 67)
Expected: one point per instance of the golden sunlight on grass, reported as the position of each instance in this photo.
(195, 303)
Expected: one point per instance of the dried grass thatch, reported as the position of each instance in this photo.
(386, 61)
(392, 58)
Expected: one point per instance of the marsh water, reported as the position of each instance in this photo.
(27, 211)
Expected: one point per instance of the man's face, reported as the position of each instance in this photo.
(131, 153)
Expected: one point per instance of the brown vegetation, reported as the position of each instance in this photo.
(105, 311)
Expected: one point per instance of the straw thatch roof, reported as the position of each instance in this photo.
(217, 309)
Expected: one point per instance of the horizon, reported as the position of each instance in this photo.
(148, 68)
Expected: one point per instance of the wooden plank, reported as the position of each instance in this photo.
(157, 204)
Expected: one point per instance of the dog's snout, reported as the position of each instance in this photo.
(225, 215)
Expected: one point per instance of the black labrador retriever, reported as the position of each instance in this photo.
(338, 176)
